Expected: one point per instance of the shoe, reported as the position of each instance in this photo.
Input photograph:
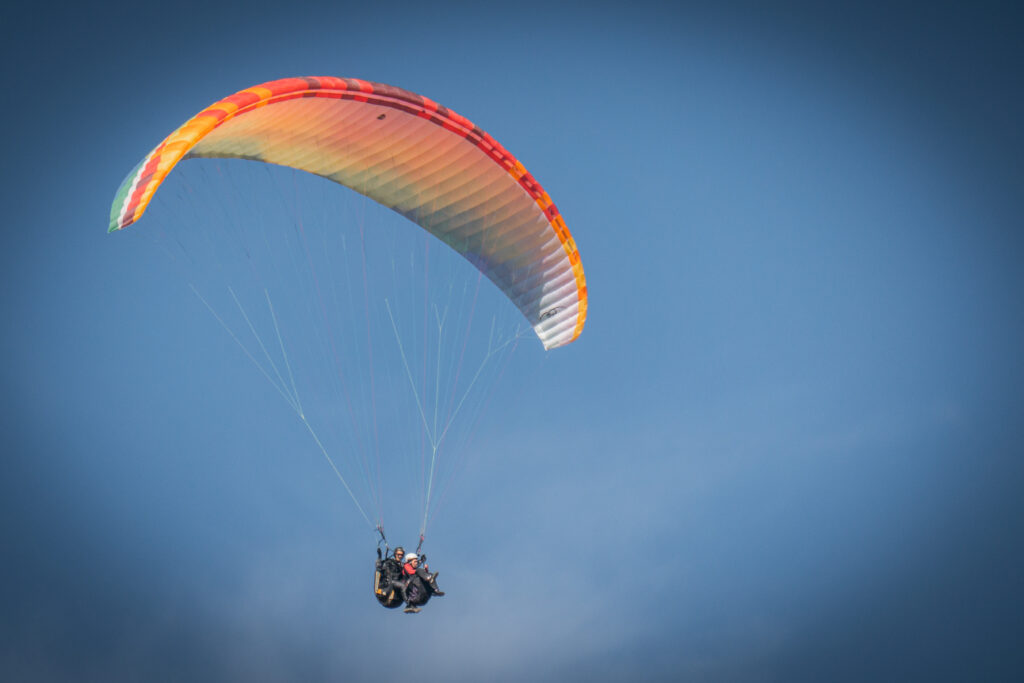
(438, 593)
(411, 610)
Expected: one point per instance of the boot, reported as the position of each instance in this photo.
(411, 609)
(433, 585)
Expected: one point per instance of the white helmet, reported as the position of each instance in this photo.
(411, 556)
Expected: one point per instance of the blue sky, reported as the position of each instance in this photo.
(786, 447)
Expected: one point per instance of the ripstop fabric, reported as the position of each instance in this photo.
(410, 154)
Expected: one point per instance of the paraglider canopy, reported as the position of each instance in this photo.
(410, 154)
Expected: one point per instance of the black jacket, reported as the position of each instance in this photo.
(390, 570)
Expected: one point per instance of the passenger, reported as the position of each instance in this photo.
(420, 584)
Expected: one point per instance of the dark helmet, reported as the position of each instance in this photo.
(399, 549)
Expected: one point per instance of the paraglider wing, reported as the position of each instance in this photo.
(410, 154)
